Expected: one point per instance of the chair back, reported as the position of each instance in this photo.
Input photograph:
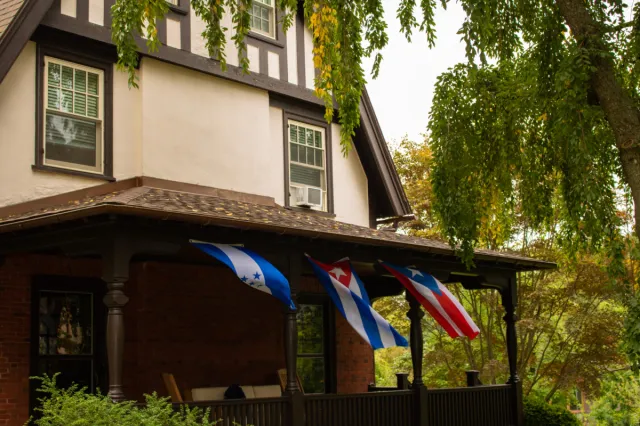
(172, 388)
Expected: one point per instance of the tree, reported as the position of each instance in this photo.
(570, 323)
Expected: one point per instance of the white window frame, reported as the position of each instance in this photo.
(272, 18)
(324, 183)
(100, 149)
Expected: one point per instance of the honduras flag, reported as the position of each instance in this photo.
(437, 300)
(348, 294)
(251, 268)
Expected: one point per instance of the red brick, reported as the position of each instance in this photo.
(197, 322)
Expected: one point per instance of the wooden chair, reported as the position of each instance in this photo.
(172, 388)
(282, 375)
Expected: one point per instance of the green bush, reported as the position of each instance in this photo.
(75, 406)
(539, 413)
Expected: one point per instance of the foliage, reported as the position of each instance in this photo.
(570, 318)
(540, 413)
(75, 406)
(619, 404)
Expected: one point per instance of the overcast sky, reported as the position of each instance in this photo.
(403, 91)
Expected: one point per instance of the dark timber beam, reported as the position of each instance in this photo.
(292, 390)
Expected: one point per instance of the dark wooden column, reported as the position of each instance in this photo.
(416, 342)
(510, 303)
(415, 315)
(295, 416)
(115, 257)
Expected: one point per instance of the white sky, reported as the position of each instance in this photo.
(403, 91)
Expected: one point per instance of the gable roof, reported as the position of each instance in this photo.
(167, 200)
(18, 20)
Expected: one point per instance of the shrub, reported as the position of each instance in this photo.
(539, 413)
(75, 406)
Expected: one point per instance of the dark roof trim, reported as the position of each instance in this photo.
(19, 31)
(384, 162)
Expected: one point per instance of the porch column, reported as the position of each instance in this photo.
(292, 390)
(415, 315)
(115, 260)
(510, 302)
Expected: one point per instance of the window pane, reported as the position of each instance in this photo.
(81, 81)
(301, 135)
(92, 106)
(65, 324)
(311, 373)
(310, 329)
(293, 133)
(310, 156)
(67, 77)
(71, 140)
(265, 26)
(265, 13)
(306, 175)
(53, 78)
(294, 152)
(67, 101)
(309, 137)
(302, 154)
(80, 104)
(93, 83)
(319, 159)
(53, 98)
(318, 141)
(256, 23)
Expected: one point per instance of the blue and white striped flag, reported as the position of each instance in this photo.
(348, 294)
(251, 269)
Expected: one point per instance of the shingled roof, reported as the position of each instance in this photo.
(144, 197)
(8, 10)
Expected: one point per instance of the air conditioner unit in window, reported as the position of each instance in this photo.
(307, 196)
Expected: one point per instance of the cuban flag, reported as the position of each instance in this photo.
(437, 300)
(251, 269)
(348, 294)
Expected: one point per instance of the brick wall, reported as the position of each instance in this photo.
(196, 322)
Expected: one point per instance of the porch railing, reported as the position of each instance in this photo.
(393, 408)
(471, 406)
(247, 412)
(481, 405)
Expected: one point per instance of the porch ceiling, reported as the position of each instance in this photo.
(148, 197)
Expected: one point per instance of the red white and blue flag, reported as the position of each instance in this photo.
(437, 300)
(350, 297)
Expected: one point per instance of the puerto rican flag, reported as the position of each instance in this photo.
(437, 300)
(350, 297)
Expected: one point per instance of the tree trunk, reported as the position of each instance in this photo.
(618, 107)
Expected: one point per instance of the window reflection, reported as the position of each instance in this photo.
(311, 348)
(65, 325)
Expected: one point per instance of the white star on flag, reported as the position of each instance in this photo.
(414, 272)
(338, 272)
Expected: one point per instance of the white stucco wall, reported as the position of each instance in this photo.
(18, 182)
(179, 125)
(350, 185)
(205, 130)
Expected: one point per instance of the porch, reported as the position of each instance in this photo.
(208, 329)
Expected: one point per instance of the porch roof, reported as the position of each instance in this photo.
(166, 200)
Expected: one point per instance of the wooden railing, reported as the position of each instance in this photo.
(395, 408)
(481, 405)
(247, 412)
(472, 406)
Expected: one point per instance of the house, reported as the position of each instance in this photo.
(103, 187)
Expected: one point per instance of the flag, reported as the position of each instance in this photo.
(437, 300)
(251, 269)
(348, 294)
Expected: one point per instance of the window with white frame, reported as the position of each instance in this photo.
(73, 116)
(263, 17)
(307, 166)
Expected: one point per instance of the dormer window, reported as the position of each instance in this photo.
(307, 166)
(263, 17)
